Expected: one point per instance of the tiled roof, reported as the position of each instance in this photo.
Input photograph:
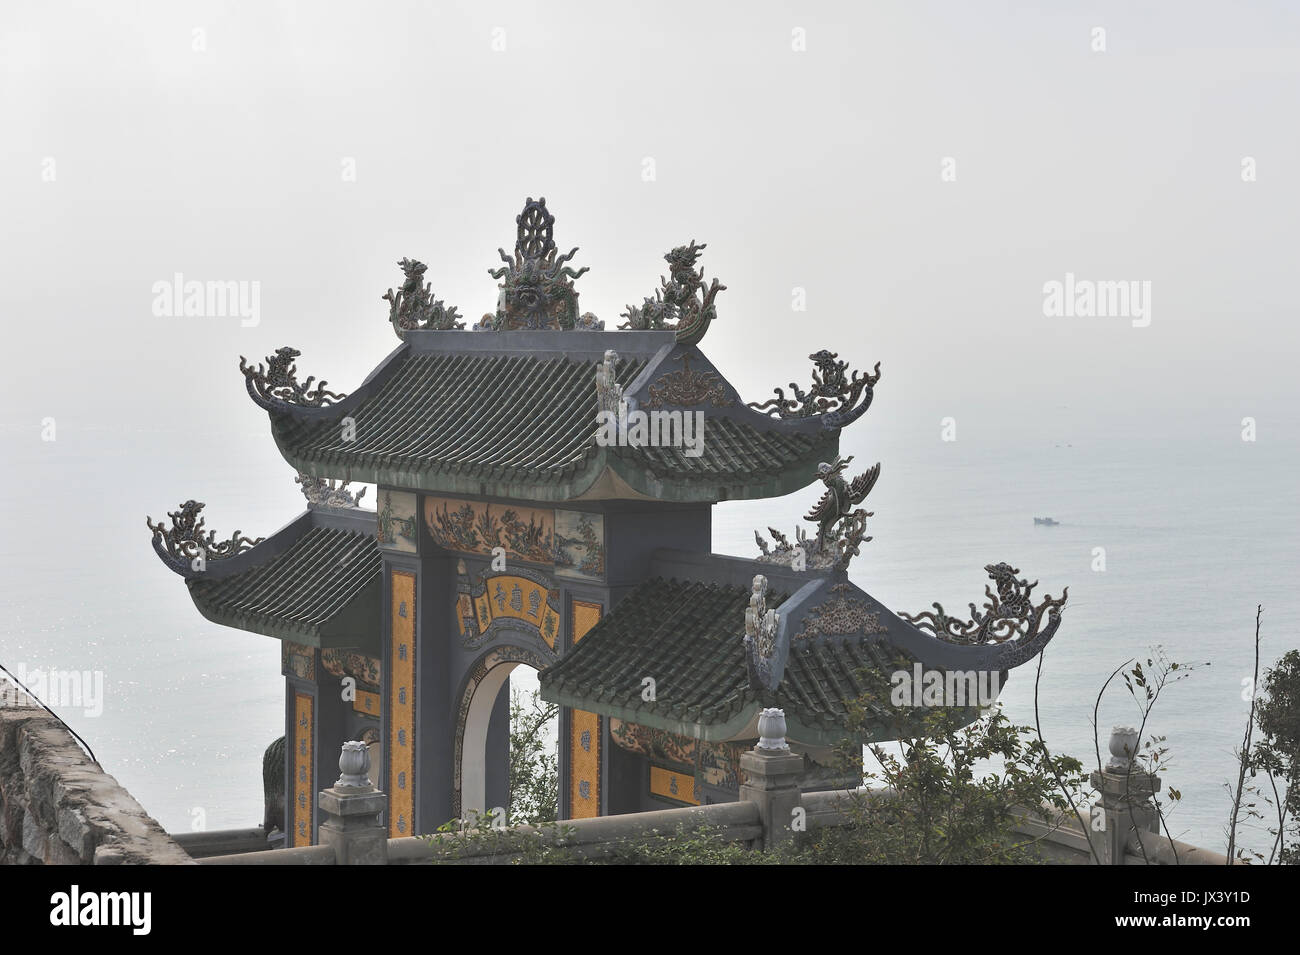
(686, 635)
(520, 425)
(471, 414)
(323, 591)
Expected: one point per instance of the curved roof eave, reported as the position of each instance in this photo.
(573, 487)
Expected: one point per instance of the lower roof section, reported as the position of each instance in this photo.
(318, 583)
(834, 645)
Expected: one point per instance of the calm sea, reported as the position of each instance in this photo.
(1194, 533)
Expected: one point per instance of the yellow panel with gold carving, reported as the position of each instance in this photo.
(584, 734)
(366, 702)
(550, 625)
(672, 785)
(517, 598)
(304, 794)
(401, 702)
(483, 608)
(585, 616)
(526, 533)
(584, 765)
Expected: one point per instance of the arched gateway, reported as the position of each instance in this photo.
(545, 489)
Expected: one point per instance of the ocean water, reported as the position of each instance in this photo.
(1195, 534)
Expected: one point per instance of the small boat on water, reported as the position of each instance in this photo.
(1046, 521)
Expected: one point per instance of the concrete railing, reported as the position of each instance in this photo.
(298, 855)
(770, 810)
(222, 842)
(597, 838)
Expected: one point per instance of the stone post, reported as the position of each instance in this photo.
(352, 807)
(1127, 800)
(771, 780)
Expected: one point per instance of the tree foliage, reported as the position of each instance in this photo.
(534, 763)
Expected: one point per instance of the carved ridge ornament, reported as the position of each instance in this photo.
(413, 306)
(185, 539)
(325, 493)
(277, 382)
(833, 395)
(840, 614)
(681, 303)
(687, 387)
(1009, 612)
(537, 288)
(841, 528)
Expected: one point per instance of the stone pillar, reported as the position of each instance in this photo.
(1127, 802)
(771, 779)
(352, 809)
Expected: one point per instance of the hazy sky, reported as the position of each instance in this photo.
(806, 144)
(221, 154)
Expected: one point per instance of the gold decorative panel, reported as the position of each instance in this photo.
(401, 708)
(345, 662)
(585, 616)
(304, 793)
(517, 598)
(511, 597)
(550, 626)
(367, 702)
(483, 610)
(584, 734)
(573, 542)
(584, 765)
(526, 533)
(672, 785)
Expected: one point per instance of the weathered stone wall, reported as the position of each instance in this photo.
(58, 807)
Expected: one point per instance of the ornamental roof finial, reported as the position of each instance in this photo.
(833, 395)
(682, 303)
(187, 545)
(413, 306)
(537, 288)
(325, 493)
(841, 527)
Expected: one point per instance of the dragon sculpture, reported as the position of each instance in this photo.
(277, 382)
(186, 538)
(413, 306)
(841, 525)
(833, 395)
(1008, 613)
(537, 291)
(682, 303)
